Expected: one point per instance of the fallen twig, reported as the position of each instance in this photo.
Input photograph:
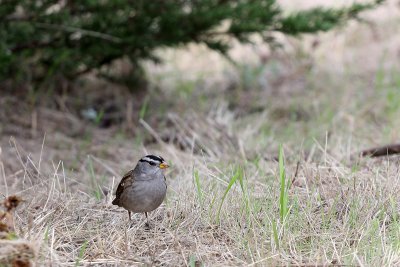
(385, 150)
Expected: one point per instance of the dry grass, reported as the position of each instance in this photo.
(339, 213)
(214, 126)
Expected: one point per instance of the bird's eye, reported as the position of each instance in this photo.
(152, 163)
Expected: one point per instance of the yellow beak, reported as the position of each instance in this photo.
(163, 165)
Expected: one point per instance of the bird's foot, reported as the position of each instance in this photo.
(132, 224)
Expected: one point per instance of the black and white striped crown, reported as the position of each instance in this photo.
(152, 160)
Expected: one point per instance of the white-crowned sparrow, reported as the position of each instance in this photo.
(143, 189)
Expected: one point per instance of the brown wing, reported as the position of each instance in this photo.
(127, 180)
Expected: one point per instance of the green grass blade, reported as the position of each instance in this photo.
(99, 117)
(143, 108)
(81, 253)
(283, 198)
(198, 187)
(46, 234)
(244, 189)
(275, 233)
(231, 182)
(93, 180)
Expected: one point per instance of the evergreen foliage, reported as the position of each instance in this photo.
(44, 41)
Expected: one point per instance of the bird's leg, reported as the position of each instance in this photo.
(147, 218)
(129, 214)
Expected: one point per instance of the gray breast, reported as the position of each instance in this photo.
(144, 195)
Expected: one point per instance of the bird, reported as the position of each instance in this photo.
(143, 189)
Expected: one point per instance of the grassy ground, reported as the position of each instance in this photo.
(233, 199)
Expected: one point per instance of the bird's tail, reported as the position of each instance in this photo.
(115, 202)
